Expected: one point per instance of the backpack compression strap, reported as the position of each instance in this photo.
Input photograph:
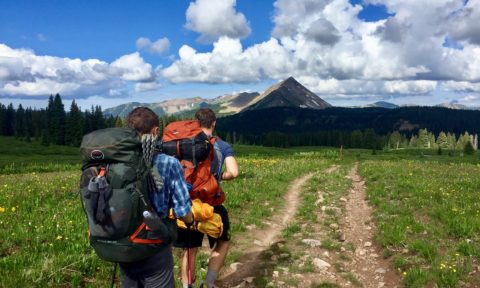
(134, 238)
(100, 192)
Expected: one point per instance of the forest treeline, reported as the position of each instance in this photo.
(53, 125)
(371, 128)
(367, 139)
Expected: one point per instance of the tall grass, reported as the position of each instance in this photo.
(43, 233)
(429, 218)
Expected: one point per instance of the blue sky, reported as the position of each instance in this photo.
(348, 52)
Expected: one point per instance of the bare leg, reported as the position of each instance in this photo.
(217, 258)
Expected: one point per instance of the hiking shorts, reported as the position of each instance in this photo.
(155, 271)
(196, 238)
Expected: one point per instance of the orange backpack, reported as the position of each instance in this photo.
(186, 141)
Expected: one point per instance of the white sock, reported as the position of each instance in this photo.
(210, 278)
(185, 285)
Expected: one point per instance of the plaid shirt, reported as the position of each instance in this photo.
(174, 193)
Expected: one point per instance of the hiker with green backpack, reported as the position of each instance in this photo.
(127, 191)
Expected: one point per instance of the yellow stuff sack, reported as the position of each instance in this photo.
(201, 211)
(207, 222)
(213, 226)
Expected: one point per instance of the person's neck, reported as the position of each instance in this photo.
(208, 131)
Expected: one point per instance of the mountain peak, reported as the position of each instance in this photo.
(383, 104)
(290, 80)
(288, 93)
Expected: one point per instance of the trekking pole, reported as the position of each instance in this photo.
(189, 258)
(114, 272)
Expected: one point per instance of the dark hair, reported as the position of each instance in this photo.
(206, 116)
(142, 119)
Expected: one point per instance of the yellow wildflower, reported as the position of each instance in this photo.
(59, 237)
(14, 209)
(2, 209)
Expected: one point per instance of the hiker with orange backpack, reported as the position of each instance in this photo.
(223, 155)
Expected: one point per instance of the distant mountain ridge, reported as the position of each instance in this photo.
(287, 93)
(452, 105)
(383, 104)
(166, 107)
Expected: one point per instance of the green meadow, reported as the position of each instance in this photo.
(427, 208)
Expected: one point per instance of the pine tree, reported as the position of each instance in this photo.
(370, 139)
(20, 130)
(431, 141)
(452, 141)
(413, 143)
(442, 140)
(50, 131)
(423, 139)
(96, 119)
(9, 121)
(60, 120)
(394, 140)
(110, 121)
(468, 149)
(356, 139)
(3, 112)
(462, 141)
(87, 122)
(56, 119)
(45, 138)
(29, 125)
(74, 131)
(118, 122)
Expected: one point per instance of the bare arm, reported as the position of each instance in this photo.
(231, 168)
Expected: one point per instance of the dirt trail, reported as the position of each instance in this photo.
(356, 226)
(247, 265)
(359, 229)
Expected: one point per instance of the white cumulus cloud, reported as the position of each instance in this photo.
(132, 67)
(148, 86)
(159, 46)
(228, 62)
(216, 18)
(25, 74)
(462, 86)
(326, 45)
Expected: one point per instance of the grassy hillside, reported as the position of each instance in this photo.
(19, 156)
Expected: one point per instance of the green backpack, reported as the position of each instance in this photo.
(114, 188)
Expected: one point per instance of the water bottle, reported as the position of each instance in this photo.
(155, 224)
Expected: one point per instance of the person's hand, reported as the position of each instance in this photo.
(192, 225)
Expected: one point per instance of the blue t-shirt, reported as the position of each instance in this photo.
(222, 151)
(174, 193)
